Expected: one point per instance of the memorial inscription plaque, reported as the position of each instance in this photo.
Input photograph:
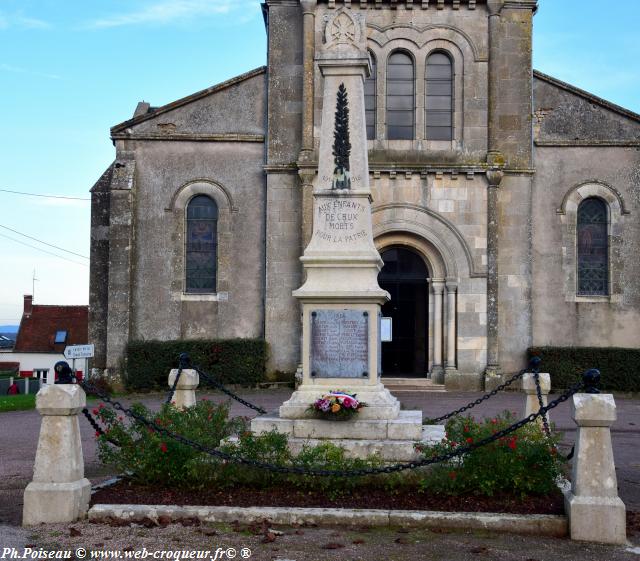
(339, 344)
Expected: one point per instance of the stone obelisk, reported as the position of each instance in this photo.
(340, 297)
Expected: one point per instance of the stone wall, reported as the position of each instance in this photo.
(210, 143)
(284, 194)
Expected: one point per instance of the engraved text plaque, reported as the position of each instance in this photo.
(339, 344)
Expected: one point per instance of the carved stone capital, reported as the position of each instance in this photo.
(495, 7)
(308, 6)
(307, 175)
(494, 177)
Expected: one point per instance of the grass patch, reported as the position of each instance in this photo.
(20, 402)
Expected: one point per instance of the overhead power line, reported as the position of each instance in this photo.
(42, 242)
(45, 196)
(43, 250)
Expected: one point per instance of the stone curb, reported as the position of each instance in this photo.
(533, 524)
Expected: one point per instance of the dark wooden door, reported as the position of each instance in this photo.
(404, 276)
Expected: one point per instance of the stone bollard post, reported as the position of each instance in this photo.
(531, 404)
(595, 511)
(185, 395)
(59, 492)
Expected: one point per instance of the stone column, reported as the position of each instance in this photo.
(437, 374)
(59, 492)
(452, 287)
(531, 403)
(308, 52)
(596, 513)
(494, 177)
(185, 394)
(307, 175)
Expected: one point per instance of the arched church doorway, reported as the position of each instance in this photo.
(405, 277)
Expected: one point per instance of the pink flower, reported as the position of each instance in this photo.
(349, 403)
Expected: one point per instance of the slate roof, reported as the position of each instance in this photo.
(38, 329)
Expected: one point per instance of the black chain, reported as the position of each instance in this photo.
(99, 430)
(545, 420)
(478, 401)
(211, 380)
(323, 472)
(174, 386)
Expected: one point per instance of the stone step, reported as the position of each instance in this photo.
(400, 389)
(407, 426)
(426, 382)
(386, 450)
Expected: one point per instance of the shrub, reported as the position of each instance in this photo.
(235, 361)
(152, 458)
(619, 367)
(523, 463)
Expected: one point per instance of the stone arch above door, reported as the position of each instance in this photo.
(419, 223)
(429, 253)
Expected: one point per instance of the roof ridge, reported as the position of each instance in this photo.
(188, 99)
(587, 95)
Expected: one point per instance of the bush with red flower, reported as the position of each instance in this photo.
(522, 463)
(153, 458)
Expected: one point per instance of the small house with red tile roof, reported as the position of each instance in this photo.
(44, 332)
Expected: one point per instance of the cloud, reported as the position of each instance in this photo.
(23, 22)
(17, 70)
(165, 12)
(32, 23)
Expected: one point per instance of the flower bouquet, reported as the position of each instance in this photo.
(336, 406)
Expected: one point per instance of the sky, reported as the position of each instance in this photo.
(71, 69)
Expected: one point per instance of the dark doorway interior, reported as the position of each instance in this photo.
(404, 276)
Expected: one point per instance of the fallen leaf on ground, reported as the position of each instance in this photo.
(74, 532)
(269, 537)
(333, 545)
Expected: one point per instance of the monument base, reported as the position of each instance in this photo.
(380, 403)
(392, 440)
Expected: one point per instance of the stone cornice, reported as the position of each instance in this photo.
(405, 4)
(589, 143)
(214, 137)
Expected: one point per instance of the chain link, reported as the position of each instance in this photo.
(99, 430)
(480, 400)
(323, 472)
(211, 380)
(545, 420)
(172, 391)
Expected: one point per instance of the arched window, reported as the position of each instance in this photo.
(400, 97)
(439, 97)
(201, 245)
(593, 248)
(370, 99)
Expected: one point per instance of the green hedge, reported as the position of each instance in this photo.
(620, 368)
(232, 361)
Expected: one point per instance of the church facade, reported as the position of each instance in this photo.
(504, 201)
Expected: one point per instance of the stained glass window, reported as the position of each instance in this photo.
(593, 248)
(400, 97)
(370, 99)
(439, 100)
(201, 245)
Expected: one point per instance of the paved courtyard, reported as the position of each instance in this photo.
(19, 435)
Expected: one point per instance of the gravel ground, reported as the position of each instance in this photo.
(19, 435)
(324, 544)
